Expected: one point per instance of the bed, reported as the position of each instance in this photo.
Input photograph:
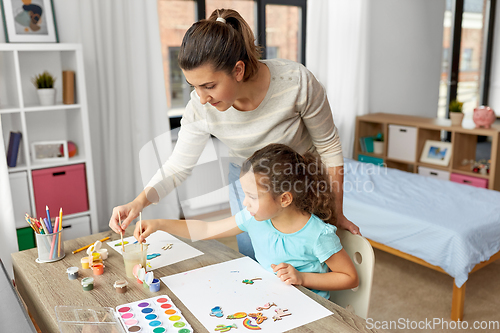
(449, 227)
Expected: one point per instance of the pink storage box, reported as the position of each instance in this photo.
(469, 180)
(64, 187)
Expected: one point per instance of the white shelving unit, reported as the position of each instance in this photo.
(20, 111)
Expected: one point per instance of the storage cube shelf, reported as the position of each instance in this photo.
(20, 111)
(400, 147)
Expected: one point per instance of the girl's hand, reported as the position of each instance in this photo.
(127, 213)
(148, 227)
(288, 274)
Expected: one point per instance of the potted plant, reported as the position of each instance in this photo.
(456, 114)
(378, 144)
(44, 83)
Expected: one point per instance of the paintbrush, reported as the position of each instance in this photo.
(140, 227)
(121, 231)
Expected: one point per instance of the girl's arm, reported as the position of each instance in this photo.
(192, 229)
(343, 274)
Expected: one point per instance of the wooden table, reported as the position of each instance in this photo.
(43, 286)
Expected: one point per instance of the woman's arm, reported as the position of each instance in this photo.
(343, 274)
(337, 182)
(192, 229)
(318, 119)
(191, 141)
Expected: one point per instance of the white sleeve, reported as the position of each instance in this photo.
(192, 138)
(318, 119)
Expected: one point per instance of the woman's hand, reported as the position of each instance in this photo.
(148, 227)
(288, 274)
(127, 214)
(344, 223)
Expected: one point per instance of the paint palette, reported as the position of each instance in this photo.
(156, 314)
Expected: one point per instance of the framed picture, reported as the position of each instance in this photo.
(29, 21)
(436, 152)
(48, 151)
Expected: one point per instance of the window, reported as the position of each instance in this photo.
(283, 22)
(466, 54)
(466, 60)
(283, 32)
(175, 17)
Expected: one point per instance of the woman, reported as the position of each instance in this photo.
(247, 104)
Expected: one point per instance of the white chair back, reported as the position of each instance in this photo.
(361, 253)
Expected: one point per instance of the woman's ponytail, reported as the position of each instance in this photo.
(221, 41)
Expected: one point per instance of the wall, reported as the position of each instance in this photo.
(406, 38)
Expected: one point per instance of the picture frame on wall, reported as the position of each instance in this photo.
(436, 152)
(29, 21)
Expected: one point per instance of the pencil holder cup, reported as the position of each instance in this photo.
(134, 255)
(50, 247)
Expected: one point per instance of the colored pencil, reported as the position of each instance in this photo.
(40, 228)
(54, 239)
(26, 218)
(121, 231)
(44, 227)
(46, 223)
(48, 219)
(87, 246)
(60, 234)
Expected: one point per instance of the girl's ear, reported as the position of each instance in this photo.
(286, 199)
(239, 71)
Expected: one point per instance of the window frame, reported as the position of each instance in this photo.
(261, 21)
(457, 10)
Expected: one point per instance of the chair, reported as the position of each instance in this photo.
(361, 253)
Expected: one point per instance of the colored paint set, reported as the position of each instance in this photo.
(156, 314)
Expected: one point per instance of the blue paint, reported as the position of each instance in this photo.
(155, 323)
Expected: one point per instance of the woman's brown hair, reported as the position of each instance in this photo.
(282, 170)
(220, 44)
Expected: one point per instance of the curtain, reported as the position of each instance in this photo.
(336, 52)
(8, 237)
(126, 96)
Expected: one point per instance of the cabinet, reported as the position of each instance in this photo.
(463, 140)
(20, 111)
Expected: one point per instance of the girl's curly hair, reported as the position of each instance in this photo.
(282, 170)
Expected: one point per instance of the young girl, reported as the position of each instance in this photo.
(286, 197)
(246, 103)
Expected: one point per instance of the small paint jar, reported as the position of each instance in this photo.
(121, 286)
(88, 283)
(72, 273)
(97, 261)
(85, 262)
(96, 256)
(154, 286)
(98, 269)
(103, 253)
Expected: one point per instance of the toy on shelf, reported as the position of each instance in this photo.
(482, 166)
(484, 116)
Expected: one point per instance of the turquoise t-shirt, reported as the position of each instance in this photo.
(306, 250)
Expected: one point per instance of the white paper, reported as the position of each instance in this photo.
(180, 251)
(221, 285)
